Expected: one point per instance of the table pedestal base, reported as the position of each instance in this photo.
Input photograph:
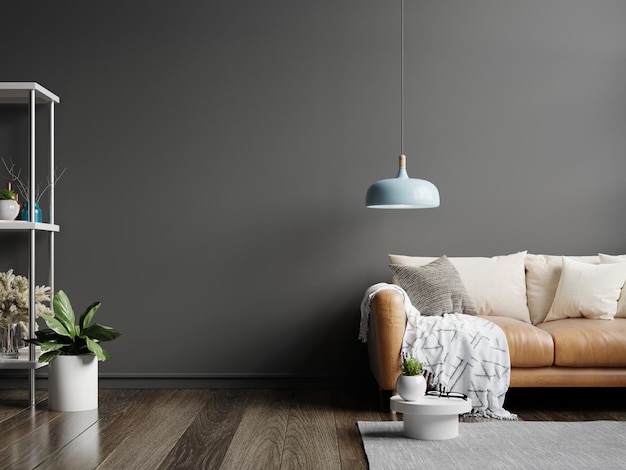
(430, 418)
(431, 428)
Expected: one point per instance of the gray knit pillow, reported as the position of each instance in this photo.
(434, 289)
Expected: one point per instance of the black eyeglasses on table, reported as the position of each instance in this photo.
(441, 394)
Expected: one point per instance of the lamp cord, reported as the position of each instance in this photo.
(402, 77)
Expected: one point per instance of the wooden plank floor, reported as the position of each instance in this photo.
(232, 429)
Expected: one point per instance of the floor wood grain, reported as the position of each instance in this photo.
(209, 436)
(233, 429)
(260, 437)
(311, 439)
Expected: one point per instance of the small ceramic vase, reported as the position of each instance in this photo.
(25, 214)
(411, 387)
(9, 209)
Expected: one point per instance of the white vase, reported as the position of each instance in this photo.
(411, 387)
(9, 209)
(73, 383)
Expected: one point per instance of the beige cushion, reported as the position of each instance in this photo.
(496, 285)
(542, 279)
(611, 258)
(587, 290)
(435, 288)
(621, 303)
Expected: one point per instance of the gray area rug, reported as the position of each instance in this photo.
(500, 445)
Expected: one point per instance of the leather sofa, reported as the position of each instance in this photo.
(551, 344)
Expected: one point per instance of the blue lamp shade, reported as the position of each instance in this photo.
(402, 192)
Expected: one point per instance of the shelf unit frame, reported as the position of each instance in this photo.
(32, 94)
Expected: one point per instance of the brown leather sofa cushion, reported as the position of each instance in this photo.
(528, 346)
(586, 342)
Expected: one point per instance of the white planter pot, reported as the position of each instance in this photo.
(9, 209)
(73, 383)
(411, 387)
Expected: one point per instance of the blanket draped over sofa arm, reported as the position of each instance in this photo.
(462, 353)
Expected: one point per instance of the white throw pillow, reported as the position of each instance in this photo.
(621, 303)
(587, 290)
(542, 279)
(611, 258)
(496, 285)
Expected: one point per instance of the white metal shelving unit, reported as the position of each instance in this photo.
(32, 94)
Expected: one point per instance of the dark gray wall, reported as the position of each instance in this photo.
(218, 154)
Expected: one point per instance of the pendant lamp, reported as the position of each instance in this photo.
(402, 192)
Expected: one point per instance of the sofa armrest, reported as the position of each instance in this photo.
(386, 331)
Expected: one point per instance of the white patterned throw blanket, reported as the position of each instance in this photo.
(462, 353)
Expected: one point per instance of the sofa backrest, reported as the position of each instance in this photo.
(497, 285)
(522, 286)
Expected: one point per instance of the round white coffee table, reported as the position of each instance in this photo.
(431, 418)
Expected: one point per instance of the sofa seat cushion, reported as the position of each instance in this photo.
(587, 342)
(528, 346)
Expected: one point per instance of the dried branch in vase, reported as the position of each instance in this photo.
(23, 188)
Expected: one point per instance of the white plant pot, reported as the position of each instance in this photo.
(73, 383)
(9, 209)
(411, 387)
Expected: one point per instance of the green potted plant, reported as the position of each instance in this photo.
(9, 207)
(411, 384)
(7, 193)
(73, 351)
